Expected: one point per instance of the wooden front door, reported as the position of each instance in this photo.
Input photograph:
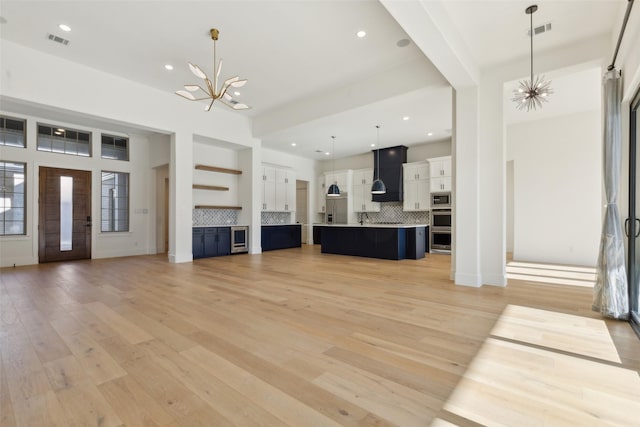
(65, 215)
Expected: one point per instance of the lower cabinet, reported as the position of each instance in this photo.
(211, 241)
(281, 237)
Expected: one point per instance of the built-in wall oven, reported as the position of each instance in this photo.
(239, 239)
(440, 230)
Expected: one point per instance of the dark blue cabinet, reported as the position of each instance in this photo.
(211, 241)
(281, 237)
(375, 242)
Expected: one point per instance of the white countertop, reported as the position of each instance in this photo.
(373, 225)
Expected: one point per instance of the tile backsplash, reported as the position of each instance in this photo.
(269, 218)
(392, 212)
(210, 217)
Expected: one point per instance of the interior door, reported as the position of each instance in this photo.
(65, 215)
(634, 212)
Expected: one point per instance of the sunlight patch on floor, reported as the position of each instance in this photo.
(517, 383)
(560, 331)
(550, 273)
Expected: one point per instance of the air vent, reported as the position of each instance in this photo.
(58, 39)
(540, 29)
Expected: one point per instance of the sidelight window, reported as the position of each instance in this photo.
(12, 198)
(115, 201)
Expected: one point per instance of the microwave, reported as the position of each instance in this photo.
(441, 200)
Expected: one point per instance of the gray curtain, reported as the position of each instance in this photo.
(611, 297)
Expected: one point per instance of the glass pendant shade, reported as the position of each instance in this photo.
(333, 190)
(378, 187)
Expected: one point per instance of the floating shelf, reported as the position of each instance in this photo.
(218, 169)
(235, 208)
(209, 187)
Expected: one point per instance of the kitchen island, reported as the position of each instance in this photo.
(385, 241)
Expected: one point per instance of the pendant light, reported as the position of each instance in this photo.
(532, 93)
(211, 92)
(334, 191)
(378, 186)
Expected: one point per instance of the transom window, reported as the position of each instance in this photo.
(12, 198)
(115, 147)
(62, 140)
(115, 201)
(12, 132)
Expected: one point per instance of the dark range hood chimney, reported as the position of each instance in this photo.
(390, 172)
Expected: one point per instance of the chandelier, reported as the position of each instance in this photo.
(533, 92)
(211, 91)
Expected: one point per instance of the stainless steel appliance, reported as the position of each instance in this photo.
(441, 200)
(440, 241)
(337, 212)
(239, 239)
(440, 230)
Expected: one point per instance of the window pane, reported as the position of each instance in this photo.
(66, 213)
(115, 201)
(12, 132)
(12, 197)
(115, 147)
(66, 141)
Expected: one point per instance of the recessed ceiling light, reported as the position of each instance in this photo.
(403, 43)
(64, 27)
(168, 67)
(361, 34)
(236, 93)
(405, 118)
(326, 153)
(373, 145)
(293, 144)
(430, 134)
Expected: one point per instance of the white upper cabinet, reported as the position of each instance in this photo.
(440, 172)
(416, 187)
(321, 194)
(362, 181)
(278, 190)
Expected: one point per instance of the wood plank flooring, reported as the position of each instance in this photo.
(299, 338)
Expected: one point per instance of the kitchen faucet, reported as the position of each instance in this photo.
(362, 214)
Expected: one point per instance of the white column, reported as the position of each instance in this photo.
(492, 178)
(181, 197)
(466, 244)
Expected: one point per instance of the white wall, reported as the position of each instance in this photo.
(211, 155)
(140, 239)
(557, 181)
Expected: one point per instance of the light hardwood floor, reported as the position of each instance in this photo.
(299, 338)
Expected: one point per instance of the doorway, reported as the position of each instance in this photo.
(302, 207)
(64, 218)
(634, 213)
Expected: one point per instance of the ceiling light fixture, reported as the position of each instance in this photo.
(429, 133)
(293, 144)
(361, 34)
(64, 27)
(405, 118)
(168, 67)
(378, 186)
(334, 191)
(532, 93)
(211, 90)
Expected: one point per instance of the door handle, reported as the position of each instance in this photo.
(89, 221)
(626, 227)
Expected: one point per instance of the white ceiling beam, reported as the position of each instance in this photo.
(401, 79)
(431, 29)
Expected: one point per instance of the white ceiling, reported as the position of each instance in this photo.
(297, 53)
